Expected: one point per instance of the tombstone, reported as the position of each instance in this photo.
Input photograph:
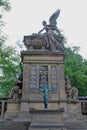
(43, 79)
(38, 100)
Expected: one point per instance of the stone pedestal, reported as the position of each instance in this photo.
(53, 62)
(12, 111)
(46, 119)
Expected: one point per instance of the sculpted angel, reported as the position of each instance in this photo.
(52, 22)
(52, 35)
(53, 18)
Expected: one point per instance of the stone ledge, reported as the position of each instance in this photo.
(50, 101)
(41, 52)
(32, 110)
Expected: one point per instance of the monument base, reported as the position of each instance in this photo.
(12, 109)
(46, 119)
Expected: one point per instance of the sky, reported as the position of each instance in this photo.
(26, 16)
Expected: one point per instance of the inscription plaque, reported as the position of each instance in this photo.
(43, 75)
(39, 74)
(33, 76)
(53, 76)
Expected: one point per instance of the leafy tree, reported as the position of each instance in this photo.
(4, 6)
(9, 59)
(76, 69)
(9, 69)
(75, 66)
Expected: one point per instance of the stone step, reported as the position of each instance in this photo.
(76, 128)
(25, 125)
(11, 125)
(78, 125)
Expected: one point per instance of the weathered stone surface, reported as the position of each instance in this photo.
(43, 62)
(12, 109)
(11, 125)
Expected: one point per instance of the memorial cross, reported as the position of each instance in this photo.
(45, 89)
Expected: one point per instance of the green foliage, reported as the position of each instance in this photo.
(5, 4)
(76, 69)
(75, 66)
(9, 69)
(9, 60)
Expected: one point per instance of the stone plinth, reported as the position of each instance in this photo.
(32, 60)
(46, 119)
(13, 108)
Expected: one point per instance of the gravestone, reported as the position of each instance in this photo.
(43, 79)
(42, 99)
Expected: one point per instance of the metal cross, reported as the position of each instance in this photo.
(45, 89)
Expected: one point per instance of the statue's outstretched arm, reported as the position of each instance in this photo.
(40, 31)
(40, 89)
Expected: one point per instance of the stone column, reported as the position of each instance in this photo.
(61, 82)
(25, 89)
(62, 88)
(24, 108)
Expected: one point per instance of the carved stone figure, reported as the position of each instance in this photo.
(72, 92)
(16, 91)
(52, 37)
(50, 40)
(54, 41)
(52, 34)
(52, 22)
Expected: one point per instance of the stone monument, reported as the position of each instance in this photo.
(42, 99)
(43, 77)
